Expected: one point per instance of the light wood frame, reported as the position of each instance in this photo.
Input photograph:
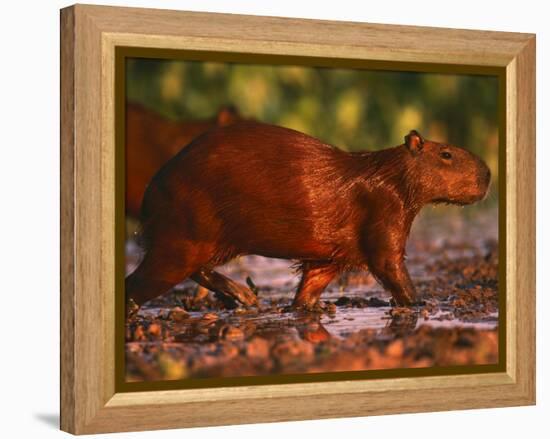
(89, 35)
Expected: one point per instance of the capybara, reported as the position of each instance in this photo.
(253, 188)
(152, 140)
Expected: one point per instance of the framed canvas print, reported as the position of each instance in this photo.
(270, 219)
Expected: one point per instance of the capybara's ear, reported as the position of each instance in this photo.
(227, 115)
(414, 141)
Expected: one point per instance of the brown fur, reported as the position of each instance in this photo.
(253, 188)
(152, 140)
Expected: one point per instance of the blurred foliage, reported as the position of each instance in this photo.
(352, 109)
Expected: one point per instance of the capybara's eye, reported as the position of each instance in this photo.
(446, 155)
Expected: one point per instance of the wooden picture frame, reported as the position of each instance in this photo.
(89, 38)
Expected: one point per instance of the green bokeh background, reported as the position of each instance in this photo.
(350, 108)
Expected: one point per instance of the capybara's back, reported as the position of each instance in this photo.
(253, 188)
(152, 140)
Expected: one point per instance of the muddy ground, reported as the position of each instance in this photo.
(452, 258)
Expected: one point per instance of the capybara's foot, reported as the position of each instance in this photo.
(224, 287)
(314, 306)
(244, 295)
(403, 319)
(400, 300)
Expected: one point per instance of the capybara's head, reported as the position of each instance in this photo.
(444, 173)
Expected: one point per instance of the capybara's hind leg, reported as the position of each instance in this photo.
(160, 270)
(315, 279)
(224, 287)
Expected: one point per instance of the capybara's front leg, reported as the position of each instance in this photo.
(392, 273)
(314, 280)
(224, 286)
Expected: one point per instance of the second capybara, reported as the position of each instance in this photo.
(152, 140)
(253, 188)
